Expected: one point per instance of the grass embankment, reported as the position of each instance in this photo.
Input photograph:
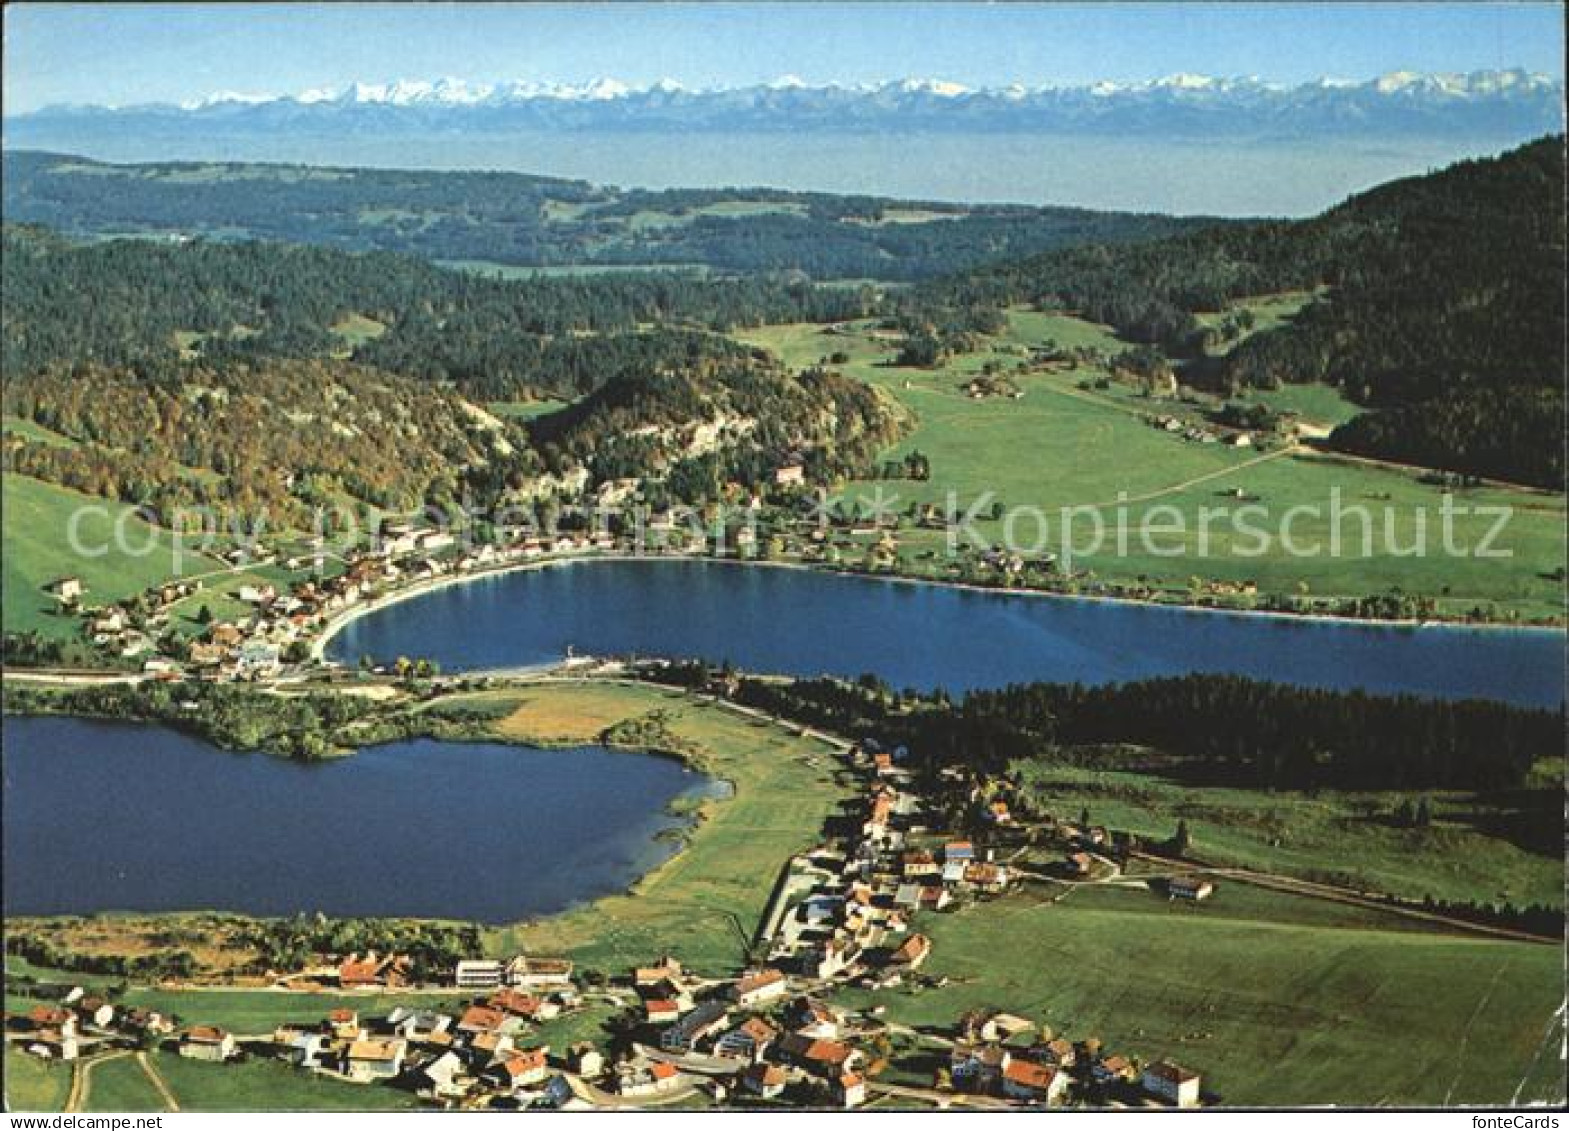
(1479, 848)
(1277, 1000)
(1060, 446)
(704, 904)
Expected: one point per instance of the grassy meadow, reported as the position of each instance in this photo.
(32, 1084)
(122, 1084)
(1344, 838)
(1061, 446)
(704, 904)
(1273, 1002)
(38, 550)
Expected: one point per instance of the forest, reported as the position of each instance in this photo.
(151, 306)
(530, 221)
(222, 374)
(1243, 732)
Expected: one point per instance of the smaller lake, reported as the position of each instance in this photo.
(122, 816)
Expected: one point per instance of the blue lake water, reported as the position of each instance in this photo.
(121, 816)
(803, 623)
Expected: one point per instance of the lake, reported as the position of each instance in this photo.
(807, 623)
(124, 816)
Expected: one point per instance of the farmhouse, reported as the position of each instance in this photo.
(912, 953)
(747, 1041)
(207, 1042)
(763, 986)
(828, 1059)
(1192, 888)
(849, 1090)
(1172, 1083)
(1033, 1083)
(703, 1022)
(521, 1069)
(766, 1080)
(658, 1011)
(527, 973)
(373, 1060)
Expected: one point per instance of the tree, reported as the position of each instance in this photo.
(1183, 840)
(204, 615)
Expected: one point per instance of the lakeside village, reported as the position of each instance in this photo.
(285, 602)
(842, 916)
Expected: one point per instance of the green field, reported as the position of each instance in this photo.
(705, 903)
(32, 1084)
(1062, 447)
(121, 1085)
(268, 1085)
(1272, 1011)
(524, 410)
(1349, 839)
(38, 550)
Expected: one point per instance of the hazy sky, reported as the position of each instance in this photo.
(172, 52)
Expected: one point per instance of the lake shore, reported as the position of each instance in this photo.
(339, 621)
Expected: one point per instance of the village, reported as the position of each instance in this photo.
(843, 916)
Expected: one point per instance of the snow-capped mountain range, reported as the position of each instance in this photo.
(1182, 104)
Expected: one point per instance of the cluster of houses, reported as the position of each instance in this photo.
(79, 1022)
(845, 913)
(256, 645)
(1198, 433)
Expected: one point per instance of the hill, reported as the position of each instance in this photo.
(520, 220)
(1439, 306)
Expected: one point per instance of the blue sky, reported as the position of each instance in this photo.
(151, 52)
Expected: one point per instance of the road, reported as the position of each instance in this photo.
(157, 1081)
(942, 1100)
(1372, 900)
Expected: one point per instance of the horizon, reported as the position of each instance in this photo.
(78, 54)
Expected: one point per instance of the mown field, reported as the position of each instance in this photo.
(1274, 999)
(1061, 447)
(705, 903)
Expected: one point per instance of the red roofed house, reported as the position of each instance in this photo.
(1033, 1083)
(849, 1090)
(206, 1042)
(522, 1068)
(912, 953)
(763, 986)
(661, 1012)
(766, 1080)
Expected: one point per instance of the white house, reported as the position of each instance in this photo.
(374, 1060)
(1172, 1083)
(207, 1042)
